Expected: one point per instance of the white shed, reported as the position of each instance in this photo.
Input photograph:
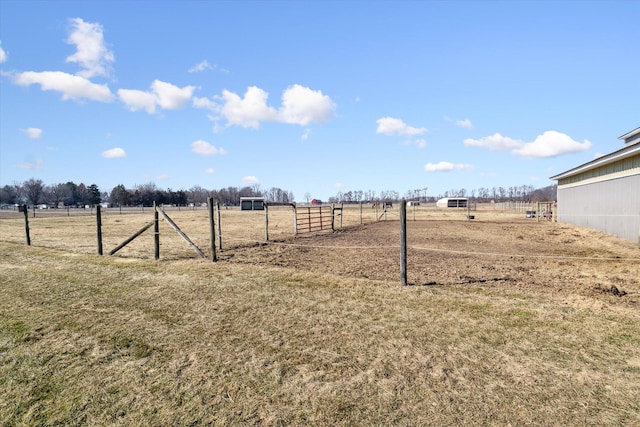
(453, 202)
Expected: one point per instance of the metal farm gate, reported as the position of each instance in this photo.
(311, 219)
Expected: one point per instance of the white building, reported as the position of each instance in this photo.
(452, 202)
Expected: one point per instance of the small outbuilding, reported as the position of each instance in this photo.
(251, 203)
(452, 202)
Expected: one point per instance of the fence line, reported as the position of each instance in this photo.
(430, 249)
(325, 214)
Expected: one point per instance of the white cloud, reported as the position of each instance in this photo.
(206, 149)
(91, 52)
(391, 126)
(248, 180)
(495, 142)
(114, 153)
(137, 100)
(162, 94)
(301, 106)
(35, 165)
(249, 110)
(3, 54)
(209, 171)
(71, 86)
(33, 133)
(421, 143)
(163, 176)
(170, 97)
(305, 134)
(446, 167)
(205, 103)
(551, 144)
(464, 124)
(338, 185)
(202, 66)
(216, 127)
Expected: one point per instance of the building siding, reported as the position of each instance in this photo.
(611, 205)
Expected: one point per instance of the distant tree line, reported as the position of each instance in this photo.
(34, 192)
(524, 193)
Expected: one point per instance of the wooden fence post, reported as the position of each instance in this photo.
(212, 229)
(403, 242)
(295, 220)
(266, 221)
(24, 209)
(333, 217)
(219, 226)
(156, 231)
(360, 213)
(99, 227)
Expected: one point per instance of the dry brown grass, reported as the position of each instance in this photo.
(317, 331)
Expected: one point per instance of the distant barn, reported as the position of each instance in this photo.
(605, 193)
(452, 202)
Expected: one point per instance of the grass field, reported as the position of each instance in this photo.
(509, 322)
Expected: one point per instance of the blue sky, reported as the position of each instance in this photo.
(314, 97)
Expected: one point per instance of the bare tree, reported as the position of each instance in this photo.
(20, 194)
(58, 193)
(197, 195)
(119, 196)
(34, 190)
(8, 195)
(249, 191)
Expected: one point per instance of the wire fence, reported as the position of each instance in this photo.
(365, 238)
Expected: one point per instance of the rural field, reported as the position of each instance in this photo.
(507, 321)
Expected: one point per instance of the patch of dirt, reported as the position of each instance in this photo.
(544, 256)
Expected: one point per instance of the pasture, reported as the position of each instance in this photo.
(508, 321)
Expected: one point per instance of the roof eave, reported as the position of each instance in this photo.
(600, 161)
(627, 135)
